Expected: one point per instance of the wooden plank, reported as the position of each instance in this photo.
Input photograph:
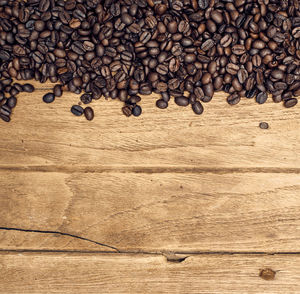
(151, 212)
(206, 274)
(224, 137)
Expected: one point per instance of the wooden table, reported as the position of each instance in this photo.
(169, 202)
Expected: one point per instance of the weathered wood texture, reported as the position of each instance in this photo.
(206, 274)
(223, 137)
(167, 181)
(152, 211)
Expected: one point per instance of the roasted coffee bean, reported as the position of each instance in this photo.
(5, 118)
(197, 107)
(137, 110)
(261, 97)
(89, 113)
(238, 49)
(233, 99)
(12, 102)
(290, 102)
(49, 98)
(162, 104)
(182, 101)
(28, 88)
(77, 110)
(242, 75)
(86, 98)
(264, 125)
(5, 110)
(57, 90)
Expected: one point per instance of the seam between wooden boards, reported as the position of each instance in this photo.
(145, 169)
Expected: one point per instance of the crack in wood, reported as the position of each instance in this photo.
(171, 256)
(59, 233)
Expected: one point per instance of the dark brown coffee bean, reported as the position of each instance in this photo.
(162, 104)
(233, 99)
(28, 88)
(207, 45)
(77, 110)
(5, 118)
(226, 40)
(242, 75)
(89, 113)
(49, 98)
(208, 90)
(127, 111)
(232, 68)
(238, 49)
(86, 98)
(57, 91)
(12, 102)
(261, 97)
(277, 74)
(264, 125)
(197, 107)
(199, 93)
(182, 101)
(162, 69)
(290, 103)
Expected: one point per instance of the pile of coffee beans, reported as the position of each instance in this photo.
(120, 49)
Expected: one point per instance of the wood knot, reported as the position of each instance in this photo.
(267, 274)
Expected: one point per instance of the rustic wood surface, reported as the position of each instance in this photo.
(68, 274)
(89, 201)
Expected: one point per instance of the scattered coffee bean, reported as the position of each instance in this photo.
(264, 125)
(49, 98)
(89, 113)
(137, 110)
(77, 110)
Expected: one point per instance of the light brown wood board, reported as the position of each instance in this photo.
(64, 273)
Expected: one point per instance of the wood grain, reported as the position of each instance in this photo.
(186, 212)
(206, 274)
(223, 137)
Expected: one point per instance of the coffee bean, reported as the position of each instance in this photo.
(290, 103)
(86, 98)
(182, 101)
(161, 104)
(28, 88)
(203, 4)
(49, 98)
(127, 110)
(137, 110)
(5, 118)
(264, 125)
(238, 49)
(208, 44)
(89, 113)
(242, 75)
(11, 102)
(261, 97)
(233, 99)
(232, 68)
(277, 74)
(197, 107)
(77, 110)
(57, 91)
(5, 110)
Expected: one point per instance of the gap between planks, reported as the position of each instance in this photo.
(145, 169)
